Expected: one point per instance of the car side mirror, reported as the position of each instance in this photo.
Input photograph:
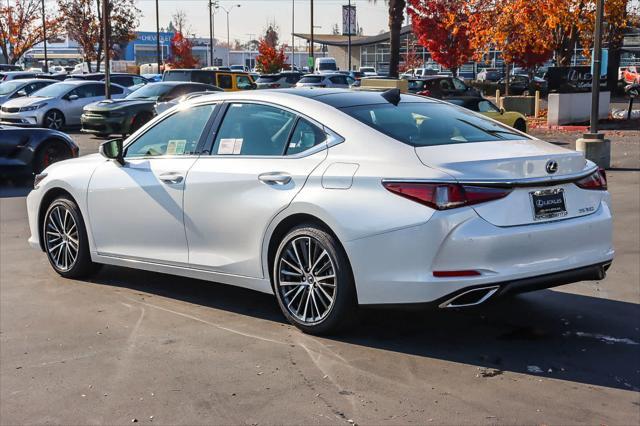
(113, 150)
(21, 94)
(72, 97)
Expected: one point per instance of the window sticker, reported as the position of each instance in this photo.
(230, 146)
(176, 146)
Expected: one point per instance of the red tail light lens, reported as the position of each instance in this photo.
(425, 93)
(443, 196)
(596, 181)
(274, 85)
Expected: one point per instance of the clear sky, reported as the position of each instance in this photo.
(253, 16)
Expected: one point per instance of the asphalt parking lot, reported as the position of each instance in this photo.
(132, 346)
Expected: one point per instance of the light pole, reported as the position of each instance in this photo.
(311, 61)
(228, 37)
(158, 54)
(251, 38)
(105, 32)
(44, 39)
(213, 5)
(349, 33)
(293, 38)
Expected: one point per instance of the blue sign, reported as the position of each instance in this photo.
(146, 38)
(603, 63)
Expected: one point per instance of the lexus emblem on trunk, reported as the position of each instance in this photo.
(552, 166)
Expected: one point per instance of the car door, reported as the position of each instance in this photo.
(135, 209)
(86, 94)
(261, 156)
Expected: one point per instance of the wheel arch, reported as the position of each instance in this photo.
(46, 201)
(288, 223)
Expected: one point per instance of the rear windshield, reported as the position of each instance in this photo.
(268, 78)
(311, 79)
(326, 66)
(429, 123)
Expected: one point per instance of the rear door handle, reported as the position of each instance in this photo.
(171, 178)
(275, 178)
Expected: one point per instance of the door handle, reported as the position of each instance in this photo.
(171, 178)
(275, 178)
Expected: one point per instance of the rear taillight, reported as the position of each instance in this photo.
(274, 85)
(596, 181)
(443, 196)
(425, 93)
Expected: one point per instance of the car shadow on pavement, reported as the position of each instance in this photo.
(547, 334)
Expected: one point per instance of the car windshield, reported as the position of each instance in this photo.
(416, 84)
(151, 91)
(311, 79)
(429, 123)
(10, 86)
(367, 70)
(325, 66)
(268, 78)
(54, 90)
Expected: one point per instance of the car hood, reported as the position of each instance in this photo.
(501, 160)
(25, 101)
(110, 105)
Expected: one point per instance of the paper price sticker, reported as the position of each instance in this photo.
(176, 146)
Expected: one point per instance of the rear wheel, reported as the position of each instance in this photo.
(65, 240)
(53, 119)
(49, 153)
(313, 281)
(520, 125)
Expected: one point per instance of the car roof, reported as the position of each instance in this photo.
(36, 80)
(337, 98)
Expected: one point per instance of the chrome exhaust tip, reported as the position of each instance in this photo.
(471, 297)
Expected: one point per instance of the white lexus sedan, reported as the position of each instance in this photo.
(330, 199)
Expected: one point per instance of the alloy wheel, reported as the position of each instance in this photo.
(307, 279)
(53, 120)
(61, 238)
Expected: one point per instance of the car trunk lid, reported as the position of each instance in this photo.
(526, 166)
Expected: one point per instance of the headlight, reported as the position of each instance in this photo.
(31, 108)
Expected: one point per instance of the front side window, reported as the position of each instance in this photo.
(243, 82)
(446, 85)
(429, 123)
(178, 134)
(486, 106)
(253, 129)
(305, 135)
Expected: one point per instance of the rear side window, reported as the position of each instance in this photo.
(305, 135)
(426, 124)
(268, 79)
(224, 81)
(253, 129)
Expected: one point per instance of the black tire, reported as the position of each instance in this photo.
(61, 258)
(49, 153)
(520, 125)
(338, 312)
(53, 119)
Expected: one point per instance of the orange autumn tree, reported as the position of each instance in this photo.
(517, 28)
(181, 52)
(21, 27)
(270, 59)
(442, 26)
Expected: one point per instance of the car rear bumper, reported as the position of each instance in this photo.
(398, 267)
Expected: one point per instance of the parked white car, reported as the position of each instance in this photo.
(330, 199)
(368, 71)
(335, 80)
(57, 105)
(326, 64)
(14, 89)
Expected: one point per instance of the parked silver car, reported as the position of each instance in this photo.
(19, 88)
(326, 80)
(57, 105)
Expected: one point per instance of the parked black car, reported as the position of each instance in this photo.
(441, 87)
(25, 152)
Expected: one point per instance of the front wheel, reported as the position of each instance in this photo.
(53, 119)
(520, 125)
(313, 281)
(65, 239)
(49, 153)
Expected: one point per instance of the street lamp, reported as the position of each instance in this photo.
(228, 38)
(213, 5)
(44, 39)
(158, 55)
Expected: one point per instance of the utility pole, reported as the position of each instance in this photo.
(349, 33)
(44, 40)
(595, 147)
(105, 32)
(228, 37)
(293, 38)
(211, 7)
(597, 59)
(312, 61)
(158, 52)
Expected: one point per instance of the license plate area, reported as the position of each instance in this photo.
(548, 203)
